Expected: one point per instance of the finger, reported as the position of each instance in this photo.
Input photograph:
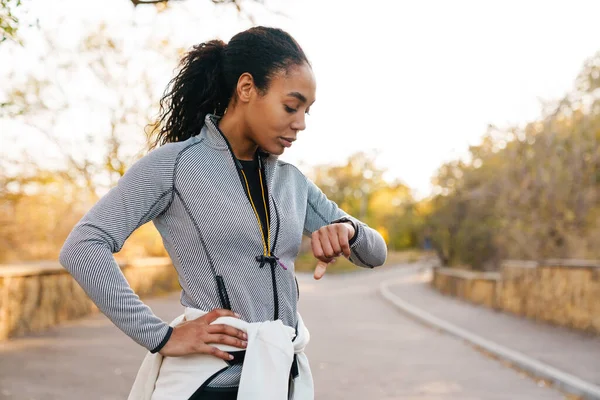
(217, 313)
(213, 351)
(316, 246)
(224, 339)
(326, 245)
(228, 330)
(344, 243)
(334, 239)
(320, 269)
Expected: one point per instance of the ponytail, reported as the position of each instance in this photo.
(197, 90)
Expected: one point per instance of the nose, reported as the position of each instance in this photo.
(299, 123)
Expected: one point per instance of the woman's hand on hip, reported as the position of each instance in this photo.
(195, 337)
(330, 242)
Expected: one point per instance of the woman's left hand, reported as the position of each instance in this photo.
(330, 242)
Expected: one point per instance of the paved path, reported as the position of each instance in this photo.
(361, 348)
(574, 352)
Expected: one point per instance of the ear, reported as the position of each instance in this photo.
(245, 87)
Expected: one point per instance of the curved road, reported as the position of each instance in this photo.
(361, 348)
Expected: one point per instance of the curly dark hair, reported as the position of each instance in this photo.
(209, 73)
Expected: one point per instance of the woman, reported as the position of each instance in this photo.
(231, 216)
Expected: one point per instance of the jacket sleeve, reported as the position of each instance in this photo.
(142, 194)
(367, 247)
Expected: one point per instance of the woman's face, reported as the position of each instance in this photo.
(275, 118)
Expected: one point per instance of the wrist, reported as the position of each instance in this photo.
(351, 230)
(164, 342)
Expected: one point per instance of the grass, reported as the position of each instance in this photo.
(306, 261)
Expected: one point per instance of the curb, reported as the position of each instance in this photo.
(560, 379)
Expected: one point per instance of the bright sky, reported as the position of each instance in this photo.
(416, 81)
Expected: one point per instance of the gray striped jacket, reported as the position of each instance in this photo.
(192, 193)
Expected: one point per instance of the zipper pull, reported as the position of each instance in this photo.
(282, 266)
(276, 260)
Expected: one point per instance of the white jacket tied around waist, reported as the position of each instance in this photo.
(265, 372)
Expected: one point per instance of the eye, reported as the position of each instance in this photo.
(289, 109)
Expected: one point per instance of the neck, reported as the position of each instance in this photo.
(235, 131)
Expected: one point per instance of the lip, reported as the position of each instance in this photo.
(287, 142)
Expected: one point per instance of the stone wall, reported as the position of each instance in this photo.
(36, 297)
(562, 292)
(478, 288)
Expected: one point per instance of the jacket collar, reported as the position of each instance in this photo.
(214, 138)
(212, 134)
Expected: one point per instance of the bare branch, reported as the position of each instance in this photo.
(236, 3)
(140, 2)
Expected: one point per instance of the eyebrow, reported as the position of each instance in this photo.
(298, 95)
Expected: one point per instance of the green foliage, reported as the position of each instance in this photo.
(358, 187)
(527, 192)
(9, 23)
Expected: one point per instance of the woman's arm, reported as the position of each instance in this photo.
(140, 196)
(368, 249)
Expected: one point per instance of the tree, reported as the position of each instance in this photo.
(101, 78)
(359, 188)
(9, 22)
(108, 80)
(528, 192)
(238, 4)
(117, 93)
